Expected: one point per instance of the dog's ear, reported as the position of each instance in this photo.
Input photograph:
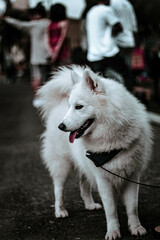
(75, 77)
(92, 81)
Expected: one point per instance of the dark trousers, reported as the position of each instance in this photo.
(115, 63)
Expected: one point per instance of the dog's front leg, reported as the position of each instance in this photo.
(109, 199)
(130, 197)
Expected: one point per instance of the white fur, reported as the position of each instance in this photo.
(120, 122)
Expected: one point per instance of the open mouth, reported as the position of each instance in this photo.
(79, 132)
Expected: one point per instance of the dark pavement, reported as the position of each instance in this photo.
(26, 191)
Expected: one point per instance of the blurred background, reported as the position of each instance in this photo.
(148, 19)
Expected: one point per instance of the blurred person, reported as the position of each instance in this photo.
(103, 52)
(37, 29)
(126, 39)
(57, 36)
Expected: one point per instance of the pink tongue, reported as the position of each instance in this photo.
(72, 136)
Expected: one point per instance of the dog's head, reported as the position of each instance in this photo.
(85, 96)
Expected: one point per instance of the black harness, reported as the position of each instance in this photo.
(100, 159)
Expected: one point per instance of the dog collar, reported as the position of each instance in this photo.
(100, 159)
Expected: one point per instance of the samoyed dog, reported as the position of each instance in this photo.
(92, 121)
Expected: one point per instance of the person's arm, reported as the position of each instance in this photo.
(63, 26)
(113, 21)
(133, 17)
(21, 25)
(133, 21)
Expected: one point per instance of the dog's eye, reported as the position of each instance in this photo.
(77, 107)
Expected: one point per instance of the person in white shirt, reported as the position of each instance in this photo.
(39, 52)
(103, 26)
(126, 39)
(101, 43)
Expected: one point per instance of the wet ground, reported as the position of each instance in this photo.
(26, 191)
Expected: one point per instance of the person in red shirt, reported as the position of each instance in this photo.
(57, 36)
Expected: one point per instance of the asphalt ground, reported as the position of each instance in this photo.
(26, 191)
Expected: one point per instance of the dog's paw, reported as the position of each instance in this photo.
(138, 231)
(113, 235)
(61, 214)
(94, 206)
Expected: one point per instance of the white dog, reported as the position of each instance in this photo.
(105, 122)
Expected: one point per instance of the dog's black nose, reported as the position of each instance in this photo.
(62, 126)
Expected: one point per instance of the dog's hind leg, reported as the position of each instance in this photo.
(59, 176)
(86, 194)
(60, 211)
(130, 197)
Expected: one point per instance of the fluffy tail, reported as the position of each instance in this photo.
(57, 89)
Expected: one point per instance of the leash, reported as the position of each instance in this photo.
(100, 159)
(129, 180)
